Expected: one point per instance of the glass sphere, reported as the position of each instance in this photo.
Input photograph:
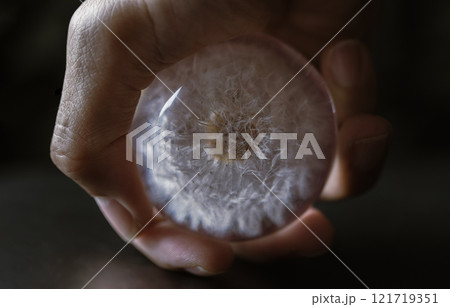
(262, 148)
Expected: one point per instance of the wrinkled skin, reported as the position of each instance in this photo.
(102, 87)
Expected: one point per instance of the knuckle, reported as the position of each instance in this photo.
(98, 27)
(84, 17)
(70, 153)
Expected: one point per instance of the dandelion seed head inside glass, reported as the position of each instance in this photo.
(262, 146)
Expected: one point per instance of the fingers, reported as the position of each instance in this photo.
(295, 240)
(363, 138)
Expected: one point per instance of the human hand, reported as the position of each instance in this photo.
(102, 88)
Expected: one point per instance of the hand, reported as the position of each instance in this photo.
(102, 87)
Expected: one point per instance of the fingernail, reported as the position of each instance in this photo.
(346, 63)
(200, 271)
(369, 153)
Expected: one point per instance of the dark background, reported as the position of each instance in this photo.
(397, 235)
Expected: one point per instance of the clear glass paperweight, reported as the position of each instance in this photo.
(229, 145)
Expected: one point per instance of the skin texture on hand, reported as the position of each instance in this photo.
(102, 87)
